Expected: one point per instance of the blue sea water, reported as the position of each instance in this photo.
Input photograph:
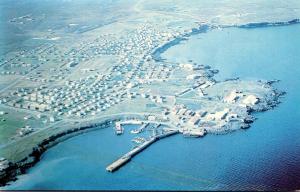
(266, 156)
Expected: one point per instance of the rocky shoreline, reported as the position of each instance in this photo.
(12, 170)
(269, 102)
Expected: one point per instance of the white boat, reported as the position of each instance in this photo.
(138, 140)
(139, 130)
(135, 131)
(119, 129)
(119, 132)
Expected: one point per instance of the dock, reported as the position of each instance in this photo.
(132, 121)
(125, 158)
(141, 129)
(115, 165)
(161, 136)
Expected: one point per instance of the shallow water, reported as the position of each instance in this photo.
(266, 156)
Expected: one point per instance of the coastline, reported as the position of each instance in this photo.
(32, 158)
(204, 28)
(21, 167)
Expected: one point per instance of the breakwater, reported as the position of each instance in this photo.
(125, 158)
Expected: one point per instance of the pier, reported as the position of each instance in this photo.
(131, 121)
(115, 165)
(125, 158)
(141, 129)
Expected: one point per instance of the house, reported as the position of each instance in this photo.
(151, 118)
(187, 66)
(251, 100)
(52, 119)
(181, 111)
(232, 97)
(193, 76)
(201, 113)
(231, 117)
(194, 120)
(220, 115)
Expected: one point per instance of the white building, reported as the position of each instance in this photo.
(232, 97)
(251, 100)
(151, 118)
(220, 115)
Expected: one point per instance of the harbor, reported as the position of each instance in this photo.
(119, 126)
(127, 157)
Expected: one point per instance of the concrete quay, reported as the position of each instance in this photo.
(125, 158)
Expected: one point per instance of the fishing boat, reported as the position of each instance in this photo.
(138, 140)
(135, 131)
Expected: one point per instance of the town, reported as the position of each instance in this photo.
(53, 87)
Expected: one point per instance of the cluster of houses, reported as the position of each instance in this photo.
(245, 100)
(24, 61)
(25, 130)
(98, 92)
(190, 120)
(187, 116)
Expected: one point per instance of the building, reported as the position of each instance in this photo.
(231, 117)
(194, 120)
(251, 100)
(52, 119)
(232, 97)
(181, 111)
(193, 76)
(151, 118)
(220, 115)
(187, 66)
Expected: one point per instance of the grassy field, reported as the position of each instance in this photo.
(9, 125)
